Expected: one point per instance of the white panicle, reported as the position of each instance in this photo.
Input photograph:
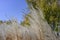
(38, 29)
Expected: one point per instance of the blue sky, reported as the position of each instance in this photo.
(12, 8)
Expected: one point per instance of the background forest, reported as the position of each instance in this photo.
(51, 10)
